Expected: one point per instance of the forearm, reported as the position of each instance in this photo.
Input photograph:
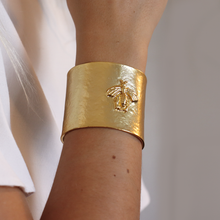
(13, 204)
(99, 174)
(98, 177)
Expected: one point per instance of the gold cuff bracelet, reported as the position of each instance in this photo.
(104, 94)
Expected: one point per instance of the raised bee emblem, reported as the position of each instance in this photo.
(122, 96)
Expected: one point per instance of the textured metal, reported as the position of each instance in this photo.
(88, 104)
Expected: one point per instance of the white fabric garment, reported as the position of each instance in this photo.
(42, 34)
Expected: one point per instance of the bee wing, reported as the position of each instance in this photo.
(132, 95)
(113, 91)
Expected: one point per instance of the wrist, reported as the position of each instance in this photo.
(107, 47)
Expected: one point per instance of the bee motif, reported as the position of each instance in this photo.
(122, 96)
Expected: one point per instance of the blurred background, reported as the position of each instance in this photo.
(181, 159)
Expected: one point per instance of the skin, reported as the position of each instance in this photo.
(98, 177)
(123, 28)
(13, 204)
(99, 174)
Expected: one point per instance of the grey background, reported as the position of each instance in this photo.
(182, 125)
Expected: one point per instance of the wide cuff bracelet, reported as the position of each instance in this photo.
(104, 94)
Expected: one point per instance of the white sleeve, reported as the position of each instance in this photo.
(13, 170)
(145, 197)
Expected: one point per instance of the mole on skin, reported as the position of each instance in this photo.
(128, 171)
(114, 175)
(113, 157)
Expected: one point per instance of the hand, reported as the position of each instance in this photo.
(115, 30)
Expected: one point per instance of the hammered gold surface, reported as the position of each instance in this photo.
(88, 105)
